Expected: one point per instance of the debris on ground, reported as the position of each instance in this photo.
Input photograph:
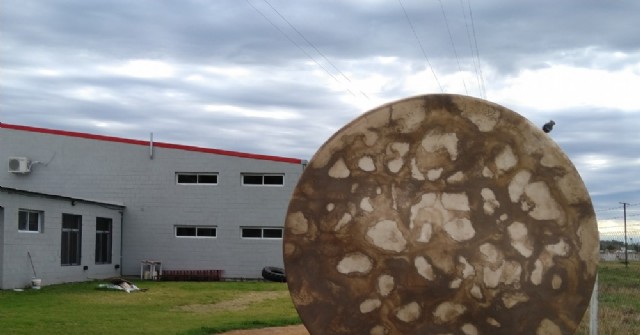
(120, 284)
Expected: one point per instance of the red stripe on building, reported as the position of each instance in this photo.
(146, 143)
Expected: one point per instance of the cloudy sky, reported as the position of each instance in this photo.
(279, 77)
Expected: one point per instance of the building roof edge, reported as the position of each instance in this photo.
(112, 205)
(146, 143)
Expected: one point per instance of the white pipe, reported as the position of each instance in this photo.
(593, 310)
(151, 146)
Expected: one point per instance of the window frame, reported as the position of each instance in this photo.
(30, 212)
(263, 176)
(262, 233)
(196, 229)
(197, 175)
(70, 232)
(100, 244)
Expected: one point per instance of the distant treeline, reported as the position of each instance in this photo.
(613, 245)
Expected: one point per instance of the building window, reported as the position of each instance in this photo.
(71, 239)
(263, 179)
(196, 231)
(258, 232)
(104, 233)
(193, 178)
(30, 221)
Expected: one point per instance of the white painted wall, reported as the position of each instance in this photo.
(124, 173)
(45, 246)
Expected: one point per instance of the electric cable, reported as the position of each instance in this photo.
(453, 45)
(475, 40)
(424, 53)
(313, 46)
(297, 45)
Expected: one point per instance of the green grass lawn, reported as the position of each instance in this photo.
(209, 308)
(165, 308)
(619, 300)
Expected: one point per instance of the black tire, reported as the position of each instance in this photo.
(272, 273)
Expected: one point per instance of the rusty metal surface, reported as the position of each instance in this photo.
(440, 214)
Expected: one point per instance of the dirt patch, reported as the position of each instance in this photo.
(290, 330)
(236, 304)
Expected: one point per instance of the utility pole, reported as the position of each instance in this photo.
(626, 259)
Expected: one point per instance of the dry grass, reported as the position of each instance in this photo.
(239, 303)
(212, 308)
(619, 300)
(188, 308)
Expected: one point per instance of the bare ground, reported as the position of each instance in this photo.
(290, 330)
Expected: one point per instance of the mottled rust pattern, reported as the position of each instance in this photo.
(440, 214)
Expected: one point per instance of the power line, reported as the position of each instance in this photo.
(618, 225)
(424, 53)
(623, 207)
(609, 234)
(313, 46)
(608, 209)
(621, 217)
(476, 65)
(296, 44)
(453, 45)
(475, 40)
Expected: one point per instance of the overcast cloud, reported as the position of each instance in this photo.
(279, 77)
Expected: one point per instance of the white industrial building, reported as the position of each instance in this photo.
(77, 206)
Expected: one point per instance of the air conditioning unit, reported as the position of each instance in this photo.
(19, 165)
